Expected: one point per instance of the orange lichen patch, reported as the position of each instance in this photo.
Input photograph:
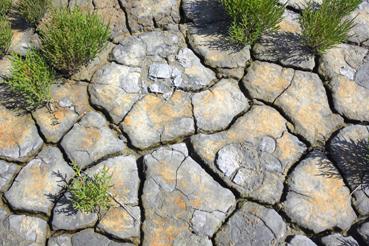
(347, 88)
(286, 148)
(288, 26)
(164, 233)
(37, 183)
(13, 129)
(91, 137)
(116, 219)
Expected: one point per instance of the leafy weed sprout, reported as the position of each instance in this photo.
(5, 6)
(32, 77)
(5, 35)
(252, 18)
(71, 38)
(33, 10)
(91, 194)
(325, 26)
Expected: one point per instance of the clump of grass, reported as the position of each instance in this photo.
(91, 194)
(33, 10)
(325, 26)
(251, 18)
(31, 77)
(71, 38)
(5, 35)
(5, 6)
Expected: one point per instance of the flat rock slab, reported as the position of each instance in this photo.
(66, 217)
(300, 240)
(179, 196)
(251, 225)
(269, 144)
(363, 232)
(305, 102)
(39, 182)
(23, 230)
(349, 150)
(360, 32)
(215, 108)
(84, 238)
(146, 15)
(154, 120)
(337, 239)
(298, 4)
(91, 140)
(19, 138)
(8, 171)
(312, 187)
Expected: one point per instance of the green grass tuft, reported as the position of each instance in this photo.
(31, 77)
(5, 6)
(71, 38)
(33, 10)
(5, 35)
(91, 194)
(324, 27)
(252, 18)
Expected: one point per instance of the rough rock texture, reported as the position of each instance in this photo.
(90, 238)
(300, 240)
(7, 173)
(312, 187)
(23, 39)
(337, 240)
(268, 140)
(154, 120)
(349, 150)
(180, 194)
(39, 182)
(215, 108)
(65, 217)
(19, 139)
(305, 102)
(145, 15)
(90, 140)
(23, 230)
(298, 4)
(252, 224)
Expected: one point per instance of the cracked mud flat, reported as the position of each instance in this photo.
(208, 143)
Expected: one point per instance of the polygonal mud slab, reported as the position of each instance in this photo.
(180, 197)
(312, 187)
(23, 230)
(146, 15)
(338, 239)
(252, 225)
(268, 140)
(154, 120)
(215, 108)
(300, 240)
(7, 173)
(349, 150)
(40, 182)
(91, 140)
(363, 232)
(19, 139)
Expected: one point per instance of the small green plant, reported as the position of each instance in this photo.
(71, 38)
(324, 27)
(33, 10)
(5, 6)
(251, 18)
(31, 77)
(91, 194)
(5, 35)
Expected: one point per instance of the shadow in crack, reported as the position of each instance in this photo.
(65, 206)
(287, 47)
(352, 159)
